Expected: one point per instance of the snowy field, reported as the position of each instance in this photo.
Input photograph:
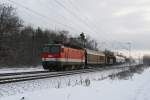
(93, 86)
(21, 69)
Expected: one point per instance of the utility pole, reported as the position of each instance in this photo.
(139, 58)
(129, 43)
(82, 35)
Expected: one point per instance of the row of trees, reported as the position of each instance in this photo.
(21, 45)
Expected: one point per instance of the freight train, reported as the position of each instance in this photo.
(59, 57)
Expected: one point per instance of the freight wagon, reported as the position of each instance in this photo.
(95, 58)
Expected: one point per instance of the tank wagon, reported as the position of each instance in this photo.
(59, 57)
(120, 59)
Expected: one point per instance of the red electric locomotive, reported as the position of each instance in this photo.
(59, 57)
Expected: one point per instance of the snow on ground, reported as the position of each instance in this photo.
(93, 86)
(38, 68)
(21, 69)
(56, 82)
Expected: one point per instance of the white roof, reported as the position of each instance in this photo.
(95, 52)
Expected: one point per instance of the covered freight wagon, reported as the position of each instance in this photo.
(95, 57)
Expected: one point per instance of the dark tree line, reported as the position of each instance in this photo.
(21, 45)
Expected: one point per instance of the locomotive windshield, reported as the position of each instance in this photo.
(52, 49)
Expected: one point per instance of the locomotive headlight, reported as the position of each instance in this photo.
(43, 59)
(50, 56)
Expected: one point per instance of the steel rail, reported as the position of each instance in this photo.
(22, 73)
(9, 78)
(47, 75)
(44, 71)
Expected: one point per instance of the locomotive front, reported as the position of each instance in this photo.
(51, 54)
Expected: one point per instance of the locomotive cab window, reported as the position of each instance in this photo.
(52, 49)
(46, 49)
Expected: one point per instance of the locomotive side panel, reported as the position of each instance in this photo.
(72, 56)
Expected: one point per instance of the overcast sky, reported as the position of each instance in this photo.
(112, 23)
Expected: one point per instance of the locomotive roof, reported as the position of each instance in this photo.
(69, 46)
(52, 44)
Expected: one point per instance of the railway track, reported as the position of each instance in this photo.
(16, 77)
(24, 76)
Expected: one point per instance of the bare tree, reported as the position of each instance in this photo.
(9, 24)
(9, 21)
